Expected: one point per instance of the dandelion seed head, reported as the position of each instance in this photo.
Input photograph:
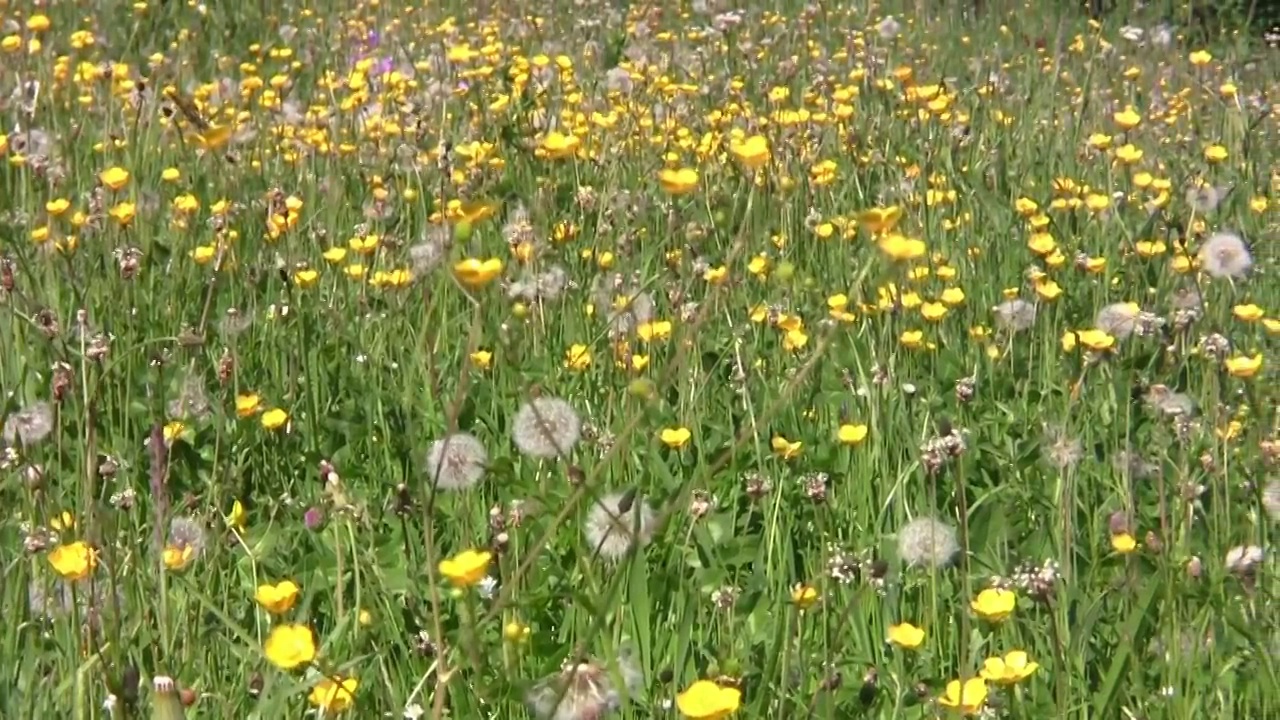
(186, 532)
(927, 542)
(1119, 320)
(546, 427)
(456, 462)
(1015, 315)
(612, 528)
(1226, 254)
(29, 425)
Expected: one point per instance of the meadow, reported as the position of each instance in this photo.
(636, 360)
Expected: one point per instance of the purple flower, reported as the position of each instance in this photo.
(313, 518)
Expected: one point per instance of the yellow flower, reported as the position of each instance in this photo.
(753, 152)
(1242, 366)
(290, 646)
(933, 311)
(114, 178)
(577, 357)
(123, 213)
(274, 419)
(1128, 154)
(906, 635)
(63, 521)
(1127, 119)
(1096, 340)
(679, 182)
(967, 698)
(1012, 668)
(174, 431)
(238, 517)
(655, 330)
(705, 700)
(880, 219)
(1200, 58)
(247, 404)
(177, 558)
(785, 448)
(1042, 243)
(850, 434)
(557, 145)
(911, 338)
(1215, 153)
(334, 694)
(73, 561)
(482, 359)
(1248, 313)
(279, 598)
(305, 278)
(38, 23)
(466, 568)
(516, 632)
(899, 247)
(804, 595)
(334, 255)
(475, 273)
(675, 438)
(994, 604)
(1124, 543)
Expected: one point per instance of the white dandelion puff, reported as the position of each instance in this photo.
(1225, 254)
(929, 542)
(1119, 320)
(616, 523)
(546, 427)
(456, 462)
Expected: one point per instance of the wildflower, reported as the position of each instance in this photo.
(705, 700)
(237, 519)
(1015, 315)
(616, 523)
(577, 357)
(804, 596)
(1243, 366)
(557, 145)
(114, 178)
(274, 419)
(927, 541)
(679, 182)
(906, 635)
(994, 604)
(466, 568)
(1118, 319)
(784, 448)
(1014, 667)
(879, 220)
(475, 273)
(248, 404)
(482, 359)
(851, 434)
(1248, 313)
(753, 152)
(675, 438)
(456, 462)
(516, 632)
(186, 543)
(29, 425)
(334, 694)
(279, 598)
(546, 427)
(290, 646)
(967, 698)
(1215, 153)
(1123, 542)
(74, 561)
(584, 690)
(1096, 340)
(1225, 254)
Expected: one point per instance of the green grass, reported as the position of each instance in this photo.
(769, 567)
